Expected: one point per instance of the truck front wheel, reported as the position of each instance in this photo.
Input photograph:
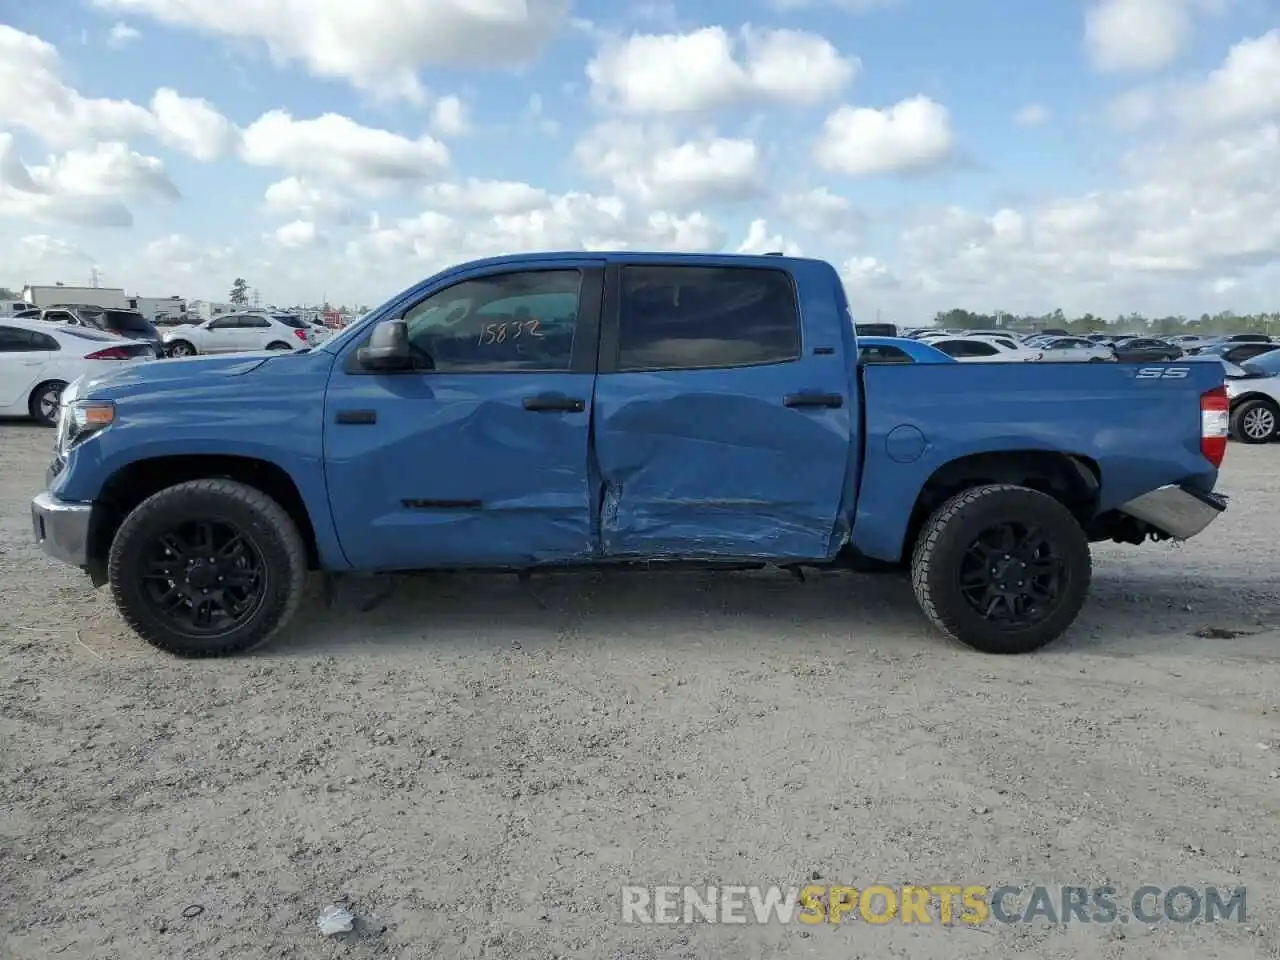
(1002, 568)
(207, 568)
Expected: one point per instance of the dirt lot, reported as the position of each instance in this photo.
(479, 775)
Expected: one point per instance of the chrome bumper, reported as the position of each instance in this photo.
(62, 529)
(1177, 511)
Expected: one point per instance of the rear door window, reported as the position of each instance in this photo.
(691, 318)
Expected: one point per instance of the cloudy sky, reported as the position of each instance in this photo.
(1100, 155)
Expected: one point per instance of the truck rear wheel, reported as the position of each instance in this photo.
(1002, 568)
(207, 568)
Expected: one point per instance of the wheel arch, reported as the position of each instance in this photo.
(136, 481)
(1255, 395)
(1072, 479)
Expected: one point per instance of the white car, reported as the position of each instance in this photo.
(1075, 350)
(237, 333)
(983, 349)
(38, 360)
(1254, 390)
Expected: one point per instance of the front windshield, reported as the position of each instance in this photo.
(1267, 364)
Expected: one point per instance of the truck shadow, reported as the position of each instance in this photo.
(829, 613)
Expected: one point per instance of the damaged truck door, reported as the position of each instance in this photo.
(475, 452)
(723, 425)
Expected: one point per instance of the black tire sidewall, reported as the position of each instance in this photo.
(1237, 421)
(956, 535)
(278, 345)
(187, 349)
(34, 403)
(199, 500)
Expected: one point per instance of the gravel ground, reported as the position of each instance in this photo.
(478, 774)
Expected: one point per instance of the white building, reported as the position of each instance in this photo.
(46, 296)
(201, 310)
(171, 309)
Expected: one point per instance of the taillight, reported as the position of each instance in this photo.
(300, 334)
(1215, 422)
(111, 353)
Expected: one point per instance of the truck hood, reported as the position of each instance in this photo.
(189, 369)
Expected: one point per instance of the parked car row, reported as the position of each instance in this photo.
(38, 359)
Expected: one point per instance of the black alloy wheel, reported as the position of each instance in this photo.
(204, 578)
(1012, 575)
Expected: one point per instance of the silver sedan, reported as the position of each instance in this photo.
(1074, 350)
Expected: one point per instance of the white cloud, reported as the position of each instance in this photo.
(121, 35)
(1244, 89)
(84, 187)
(297, 235)
(492, 197)
(293, 197)
(378, 47)
(1141, 35)
(654, 166)
(450, 117)
(335, 148)
(759, 240)
(708, 68)
(33, 97)
(819, 211)
(433, 239)
(191, 125)
(914, 134)
(1032, 115)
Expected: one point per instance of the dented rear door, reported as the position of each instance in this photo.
(724, 417)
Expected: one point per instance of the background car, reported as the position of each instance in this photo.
(1145, 350)
(898, 350)
(236, 333)
(39, 359)
(976, 349)
(1075, 350)
(129, 324)
(1235, 351)
(1254, 392)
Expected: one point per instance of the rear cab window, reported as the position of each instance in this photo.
(883, 353)
(692, 318)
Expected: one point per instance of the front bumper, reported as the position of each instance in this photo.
(1181, 512)
(61, 528)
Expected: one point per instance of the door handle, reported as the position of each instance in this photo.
(832, 401)
(554, 402)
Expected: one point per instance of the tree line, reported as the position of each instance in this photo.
(1225, 322)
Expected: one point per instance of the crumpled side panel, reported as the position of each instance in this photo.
(696, 467)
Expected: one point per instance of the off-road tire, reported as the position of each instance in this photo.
(260, 518)
(35, 403)
(947, 536)
(1256, 407)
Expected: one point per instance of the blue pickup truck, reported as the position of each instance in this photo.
(550, 411)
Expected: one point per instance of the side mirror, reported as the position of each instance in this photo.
(388, 347)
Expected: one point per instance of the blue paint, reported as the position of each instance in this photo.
(451, 469)
(904, 443)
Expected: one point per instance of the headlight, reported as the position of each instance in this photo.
(81, 419)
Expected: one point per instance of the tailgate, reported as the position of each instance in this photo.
(1140, 423)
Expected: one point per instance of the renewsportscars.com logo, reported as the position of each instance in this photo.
(941, 903)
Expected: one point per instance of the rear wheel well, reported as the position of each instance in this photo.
(1247, 397)
(132, 484)
(1074, 481)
